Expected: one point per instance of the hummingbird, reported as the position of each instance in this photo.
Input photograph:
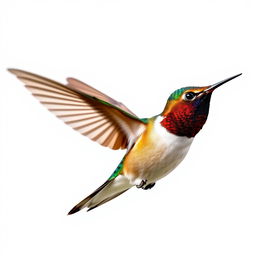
(154, 146)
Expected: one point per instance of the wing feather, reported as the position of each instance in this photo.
(87, 89)
(85, 109)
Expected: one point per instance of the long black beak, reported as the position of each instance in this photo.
(214, 86)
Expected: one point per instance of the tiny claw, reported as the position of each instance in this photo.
(149, 186)
(142, 183)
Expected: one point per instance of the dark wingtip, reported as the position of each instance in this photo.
(11, 70)
(16, 71)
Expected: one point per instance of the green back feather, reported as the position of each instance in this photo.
(118, 169)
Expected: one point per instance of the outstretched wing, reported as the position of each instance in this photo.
(85, 109)
(87, 89)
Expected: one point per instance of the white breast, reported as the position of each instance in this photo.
(168, 151)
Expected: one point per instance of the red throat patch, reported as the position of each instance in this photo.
(185, 120)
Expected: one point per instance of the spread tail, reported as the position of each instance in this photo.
(106, 192)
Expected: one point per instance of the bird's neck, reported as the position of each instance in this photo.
(184, 121)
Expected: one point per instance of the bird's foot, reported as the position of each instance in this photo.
(142, 184)
(149, 186)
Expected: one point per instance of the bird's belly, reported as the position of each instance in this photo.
(156, 155)
(155, 163)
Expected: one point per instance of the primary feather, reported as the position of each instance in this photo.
(85, 109)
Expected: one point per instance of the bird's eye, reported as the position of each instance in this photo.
(189, 96)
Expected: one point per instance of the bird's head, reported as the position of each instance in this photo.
(187, 109)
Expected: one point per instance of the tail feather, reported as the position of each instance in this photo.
(106, 192)
(106, 200)
(83, 203)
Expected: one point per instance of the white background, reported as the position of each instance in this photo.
(138, 52)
